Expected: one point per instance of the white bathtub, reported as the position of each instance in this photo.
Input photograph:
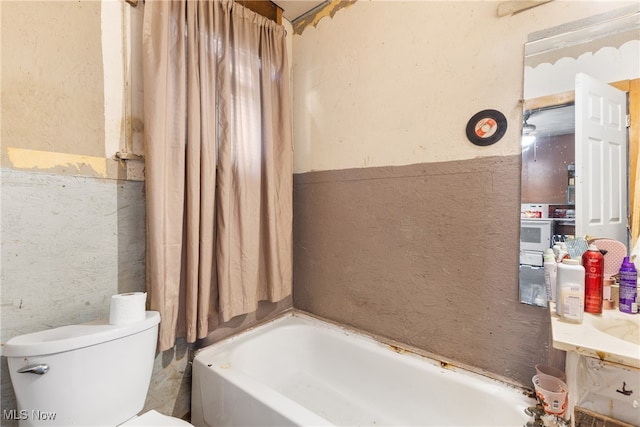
(297, 370)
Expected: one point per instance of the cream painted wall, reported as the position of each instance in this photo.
(114, 19)
(52, 88)
(67, 69)
(46, 69)
(387, 83)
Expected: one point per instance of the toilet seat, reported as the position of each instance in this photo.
(155, 419)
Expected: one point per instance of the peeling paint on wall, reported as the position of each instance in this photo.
(313, 17)
(67, 164)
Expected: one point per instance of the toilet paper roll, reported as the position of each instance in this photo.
(127, 308)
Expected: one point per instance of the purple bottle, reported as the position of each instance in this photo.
(628, 287)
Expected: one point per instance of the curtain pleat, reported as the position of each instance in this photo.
(218, 164)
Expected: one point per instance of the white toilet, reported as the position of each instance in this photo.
(93, 374)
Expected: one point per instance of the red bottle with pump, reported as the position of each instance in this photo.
(593, 263)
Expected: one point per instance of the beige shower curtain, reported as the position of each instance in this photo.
(218, 163)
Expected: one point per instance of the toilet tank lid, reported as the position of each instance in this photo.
(72, 337)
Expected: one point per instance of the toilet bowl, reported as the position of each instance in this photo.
(92, 374)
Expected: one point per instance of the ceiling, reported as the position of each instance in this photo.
(292, 9)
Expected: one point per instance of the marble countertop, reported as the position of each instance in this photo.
(612, 336)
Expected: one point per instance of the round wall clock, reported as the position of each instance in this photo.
(486, 127)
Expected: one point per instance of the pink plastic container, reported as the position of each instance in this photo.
(552, 392)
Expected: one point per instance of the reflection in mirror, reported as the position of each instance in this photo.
(548, 158)
(558, 197)
(547, 192)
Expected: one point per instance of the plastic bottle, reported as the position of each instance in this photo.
(570, 291)
(563, 253)
(593, 263)
(550, 271)
(607, 295)
(628, 287)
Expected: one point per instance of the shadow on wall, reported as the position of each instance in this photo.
(170, 388)
(131, 229)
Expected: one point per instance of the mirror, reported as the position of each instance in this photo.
(558, 197)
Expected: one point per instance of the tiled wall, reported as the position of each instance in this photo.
(68, 244)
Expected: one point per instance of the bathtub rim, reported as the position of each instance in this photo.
(393, 345)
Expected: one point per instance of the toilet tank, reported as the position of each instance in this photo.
(98, 374)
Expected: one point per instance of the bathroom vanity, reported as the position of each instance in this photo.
(602, 363)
